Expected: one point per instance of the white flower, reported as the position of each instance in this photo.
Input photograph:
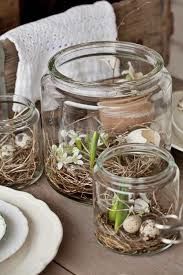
(102, 138)
(74, 136)
(141, 206)
(120, 139)
(64, 134)
(6, 151)
(76, 158)
(145, 198)
(61, 155)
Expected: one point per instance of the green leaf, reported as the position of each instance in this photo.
(87, 140)
(117, 213)
(112, 211)
(93, 149)
(121, 214)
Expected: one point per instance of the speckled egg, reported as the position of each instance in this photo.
(132, 224)
(148, 230)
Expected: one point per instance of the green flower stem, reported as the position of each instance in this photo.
(79, 143)
(85, 148)
(121, 214)
(93, 149)
(117, 214)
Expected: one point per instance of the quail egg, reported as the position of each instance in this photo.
(148, 230)
(132, 224)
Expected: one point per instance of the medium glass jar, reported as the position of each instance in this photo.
(97, 95)
(21, 161)
(136, 189)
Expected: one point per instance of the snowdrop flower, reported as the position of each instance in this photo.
(6, 151)
(74, 136)
(145, 198)
(61, 156)
(141, 206)
(102, 138)
(64, 134)
(120, 139)
(76, 158)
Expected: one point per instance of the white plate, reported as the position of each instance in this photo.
(44, 238)
(16, 230)
(177, 138)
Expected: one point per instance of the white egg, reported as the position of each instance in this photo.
(2, 227)
(6, 151)
(148, 230)
(132, 224)
(23, 140)
(144, 135)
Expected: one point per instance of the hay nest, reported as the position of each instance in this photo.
(22, 167)
(123, 242)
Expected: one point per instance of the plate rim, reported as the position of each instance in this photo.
(59, 227)
(26, 226)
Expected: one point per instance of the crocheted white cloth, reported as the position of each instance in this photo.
(36, 42)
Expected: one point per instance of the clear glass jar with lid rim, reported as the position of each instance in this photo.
(136, 199)
(97, 95)
(21, 159)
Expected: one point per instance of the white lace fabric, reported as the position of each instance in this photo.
(36, 42)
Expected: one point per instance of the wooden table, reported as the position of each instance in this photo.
(80, 254)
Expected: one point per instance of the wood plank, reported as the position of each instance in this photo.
(55, 269)
(9, 15)
(176, 60)
(178, 22)
(177, 2)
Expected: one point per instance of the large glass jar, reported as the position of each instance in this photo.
(136, 191)
(21, 160)
(97, 95)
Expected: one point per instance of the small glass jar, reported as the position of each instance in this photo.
(21, 161)
(136, 189)
(97, 95)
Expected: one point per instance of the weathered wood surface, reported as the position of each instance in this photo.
(10, 65)
(9, 14)
(148, 22)
(55, 269)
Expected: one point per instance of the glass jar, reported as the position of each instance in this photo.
(21, 161)
(97, 95)
(136, 189)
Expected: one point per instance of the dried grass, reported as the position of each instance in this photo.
(126, 243)
(19, 170)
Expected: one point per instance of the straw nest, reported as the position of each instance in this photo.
(21, 167)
